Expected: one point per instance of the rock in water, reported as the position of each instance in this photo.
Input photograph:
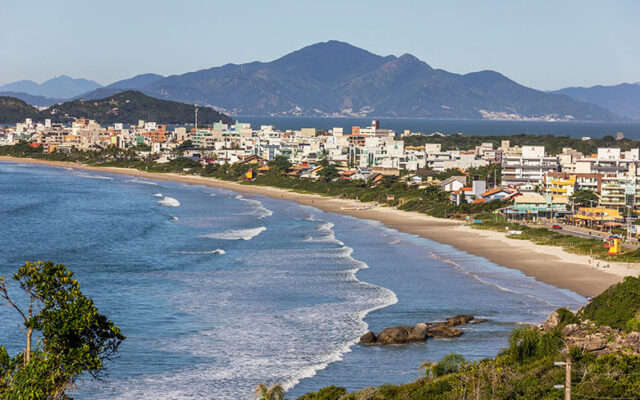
(443, 331)
(418, 333)
(461, 319)
(368, 338)
(396, 335)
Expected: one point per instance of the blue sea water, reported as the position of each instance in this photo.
(576, 129)
(217, 291)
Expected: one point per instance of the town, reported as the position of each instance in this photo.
(599, 191)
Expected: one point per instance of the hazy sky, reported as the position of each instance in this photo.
(542, 44)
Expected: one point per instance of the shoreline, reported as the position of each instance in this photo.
(548, 264)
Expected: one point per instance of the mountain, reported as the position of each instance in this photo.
(623, 99)
(61, 87)
(137, 82)
(336, 78)
(127, 107)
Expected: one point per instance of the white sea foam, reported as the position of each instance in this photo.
(259, 210)
(216, 251)
(236, 234)
(92, 176)
(249, 344)
(484, 281)
(328, 235)
(157, 195)
(169, 202)
(141, 181)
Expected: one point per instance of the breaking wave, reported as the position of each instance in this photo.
(216, 251)
(260, 210)
(141, 181)
(236, 234)
(93, 176)
(169, 202)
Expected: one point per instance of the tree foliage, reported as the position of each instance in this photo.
(74, 337)
(583, 197)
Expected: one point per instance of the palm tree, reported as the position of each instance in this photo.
(273, 392)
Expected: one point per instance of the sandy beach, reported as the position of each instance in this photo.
(548, 264)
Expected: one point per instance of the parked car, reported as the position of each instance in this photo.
(556, 227)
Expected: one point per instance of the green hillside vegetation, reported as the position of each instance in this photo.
(618, 306)
(130, 106)
(525, 370)
(553, 144)
(14, 110)
(126, 107)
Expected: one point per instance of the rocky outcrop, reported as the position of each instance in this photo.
(443, 331)
(551, 322)
(396, 335)
(461, 319)
(420, 332)
(591, 338)
(368, 338)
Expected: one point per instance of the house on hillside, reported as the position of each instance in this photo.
(453, 183)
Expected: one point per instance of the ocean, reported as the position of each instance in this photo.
(218, 291)
(631, 129)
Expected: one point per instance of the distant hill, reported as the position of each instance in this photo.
(14, 110)
(136, 83)
(336, 78)
(623, 99)
(38, 101)
(131, 106)
(127, 107)
(61, 87)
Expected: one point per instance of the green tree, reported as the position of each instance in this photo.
(583, 197)
(273, 392)
(74, 337)
(279, 164)
(329, 173)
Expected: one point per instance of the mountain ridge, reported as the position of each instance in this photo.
(60, 87)
(623, 99)
(335, 78)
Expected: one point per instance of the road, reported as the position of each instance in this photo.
(581, 232)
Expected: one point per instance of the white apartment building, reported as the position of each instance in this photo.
(529, 168)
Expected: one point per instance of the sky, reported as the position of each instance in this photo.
(541, 44)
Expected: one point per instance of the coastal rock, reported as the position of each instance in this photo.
(368, 338)
(570, 329)
(418, 332)
(396, 335)
(551, 322)
(443, 331)
(461, 319)
(594, 342)
(479, 320)
(631, 341)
